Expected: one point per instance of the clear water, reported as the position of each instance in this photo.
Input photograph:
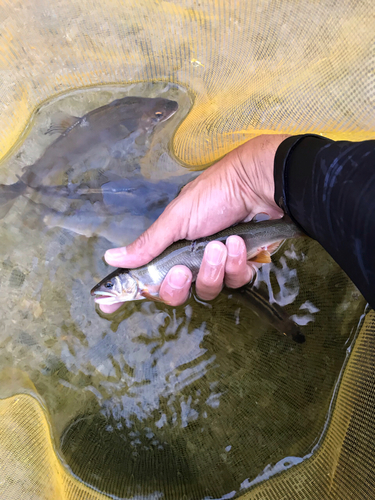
(188, 402)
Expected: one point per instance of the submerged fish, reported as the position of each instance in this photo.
(272, 314)
(134, 195)
(119, 211)
(87, 142)
(261, 238)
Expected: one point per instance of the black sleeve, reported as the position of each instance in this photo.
(328, 189)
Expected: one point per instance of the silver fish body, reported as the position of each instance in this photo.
(144, 282)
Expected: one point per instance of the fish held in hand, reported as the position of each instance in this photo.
(124, 285)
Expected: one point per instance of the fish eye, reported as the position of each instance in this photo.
(158, 113)
(108, 284)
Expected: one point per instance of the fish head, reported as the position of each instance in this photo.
(117, 287)
(140, 113)
(156, 111)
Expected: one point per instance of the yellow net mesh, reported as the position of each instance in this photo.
(251, 67)
(341, 468)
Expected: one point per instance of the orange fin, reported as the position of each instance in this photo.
(147, 295)
(274, 246)
(263, 257)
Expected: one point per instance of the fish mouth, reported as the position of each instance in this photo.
(104, 298)
(171, 107)
(99, 294)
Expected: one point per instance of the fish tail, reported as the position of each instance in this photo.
(298, 337)
(273, 314)
(8, 195)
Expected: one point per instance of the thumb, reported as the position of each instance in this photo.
(160, 235)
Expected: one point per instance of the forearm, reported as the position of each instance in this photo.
(328, 188)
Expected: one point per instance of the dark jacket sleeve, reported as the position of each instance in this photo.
(328, 189)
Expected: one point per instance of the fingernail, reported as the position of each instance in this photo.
(177, 280)
(114, 254)
(261, 217)
(234, 246)
(215, 254)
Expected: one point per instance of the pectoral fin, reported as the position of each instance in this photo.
(61, 122)
(272, 248)
(263, 257)
(147, 295)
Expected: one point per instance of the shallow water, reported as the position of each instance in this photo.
(196, 400)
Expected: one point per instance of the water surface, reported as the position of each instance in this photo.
(188, 402)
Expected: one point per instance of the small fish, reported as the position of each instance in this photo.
(84, 142)
(122, 285)
(272, 314)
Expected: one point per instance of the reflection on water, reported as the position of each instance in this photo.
(197, 400)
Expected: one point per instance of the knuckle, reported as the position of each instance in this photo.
(208, 288)
(236, 280)
(141, 241)
(208, 293)
(233, 282)
(211, 278)
(175, 301)
(233, 267)
(142, 245)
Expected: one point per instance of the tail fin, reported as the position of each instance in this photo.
(8, 194)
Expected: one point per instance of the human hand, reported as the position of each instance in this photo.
(235, 189)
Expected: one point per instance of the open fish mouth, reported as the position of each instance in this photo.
(104, 298)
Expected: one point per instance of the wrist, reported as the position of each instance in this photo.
(256, 158)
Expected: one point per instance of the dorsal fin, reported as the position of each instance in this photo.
(61, 122)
